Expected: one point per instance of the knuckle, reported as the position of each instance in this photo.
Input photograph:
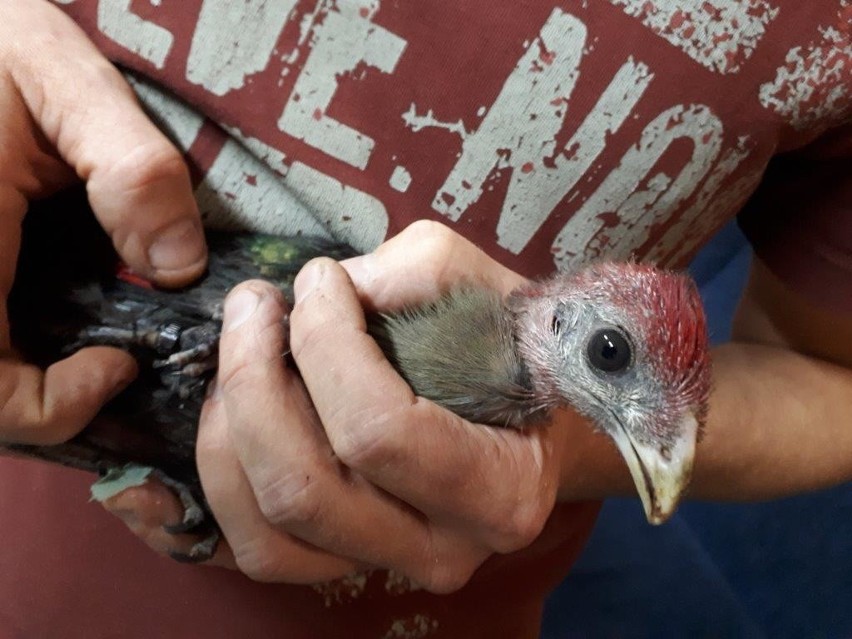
(446, 563)
(35, 425)
(520, 512)
(434, 240)
(243, 371)
(156, 162)
(32, 424)
(94, 74)
(366, 445)
(269, 338)
(436, 249)
(294, 498)
(305, 330)
(312, 324)
(430, 231)
(521, 527)
(262, 288)
(209, 444)
(447, 577)
(239, 375)
(258, 561)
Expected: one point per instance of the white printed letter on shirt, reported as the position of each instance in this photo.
(346, 38)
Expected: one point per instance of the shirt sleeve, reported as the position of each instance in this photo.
(799, 221)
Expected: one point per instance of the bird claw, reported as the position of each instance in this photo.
(186, 359)
(193, 513)
(195, 522)
(200, 552)
(198, 357)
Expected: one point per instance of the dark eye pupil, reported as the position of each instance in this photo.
(609, 351)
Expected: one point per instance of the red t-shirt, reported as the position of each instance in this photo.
(548, 132)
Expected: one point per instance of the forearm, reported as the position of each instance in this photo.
(779, 424)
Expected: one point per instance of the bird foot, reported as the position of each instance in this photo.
(193, 513)
(189, 359)
(195, 520)
(198, 357)
(201, 551)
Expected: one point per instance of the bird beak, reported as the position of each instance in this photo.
(660, 475)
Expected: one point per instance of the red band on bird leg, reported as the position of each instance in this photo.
(124, 273)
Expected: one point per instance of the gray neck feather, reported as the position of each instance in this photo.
(461, 353)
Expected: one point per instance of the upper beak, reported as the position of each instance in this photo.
(660, 475)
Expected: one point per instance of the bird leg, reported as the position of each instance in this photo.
(187, 370)
(195, 520)
(193, 513)
(192, 361)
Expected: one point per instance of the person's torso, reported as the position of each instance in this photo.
(550, 133)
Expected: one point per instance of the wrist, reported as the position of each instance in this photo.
(590, 465)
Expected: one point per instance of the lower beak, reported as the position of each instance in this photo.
(660, 474)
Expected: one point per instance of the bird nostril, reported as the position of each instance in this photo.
(666, 453)
(555, 325)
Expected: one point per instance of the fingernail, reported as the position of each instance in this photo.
(239, 307)
(308, 280)
(177, 247)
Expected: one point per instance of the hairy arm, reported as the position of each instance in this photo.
(779, 420)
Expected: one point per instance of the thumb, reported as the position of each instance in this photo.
(421, 263)
(137, 182)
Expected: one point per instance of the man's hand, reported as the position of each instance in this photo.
(313, 477)
(67, 114)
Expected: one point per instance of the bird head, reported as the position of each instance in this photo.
(626, 346)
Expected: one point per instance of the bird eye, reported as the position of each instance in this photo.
(609, 351)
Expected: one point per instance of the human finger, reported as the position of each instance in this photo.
(50, 406)
(421, 263)
(260, 550)
(137, 182)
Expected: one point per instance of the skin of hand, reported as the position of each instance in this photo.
(66, 114)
